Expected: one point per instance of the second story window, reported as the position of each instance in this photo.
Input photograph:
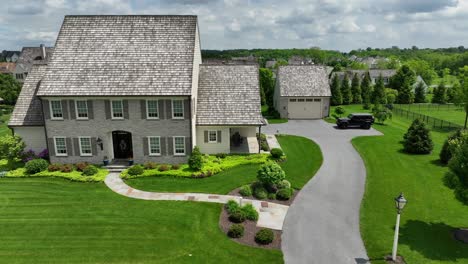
(117, 109)
(152, 109)
(56, 111)
(177, 109)
(81, 110)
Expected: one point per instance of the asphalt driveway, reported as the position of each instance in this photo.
(322, 224)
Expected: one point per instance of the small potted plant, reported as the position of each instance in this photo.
(105, 161)
(130, 161)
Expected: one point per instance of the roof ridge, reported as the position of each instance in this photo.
(142, 15)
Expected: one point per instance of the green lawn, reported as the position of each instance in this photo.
(432, 211)
(304, 158)
(445, 112)
(272, 120)
(4, 130)
(58, 221)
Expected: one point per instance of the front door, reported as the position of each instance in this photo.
(122, 144)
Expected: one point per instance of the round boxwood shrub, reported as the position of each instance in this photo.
(237, 216)
(245, 190)
(260, 192)
(284, 184)
(36, 165)
(264, 236)
(90, 170)
(135, 170)
(276, 153)
(284, 194)
(270, 173)
(418, 139)
(272, 196)
(250, 212)
(232, 206)
(236, 231)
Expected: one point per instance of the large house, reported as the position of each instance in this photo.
(302, 92)
(28, 57)
(122, 87)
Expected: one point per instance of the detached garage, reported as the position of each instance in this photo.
(302, 92)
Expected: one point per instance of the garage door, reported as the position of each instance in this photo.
(302, 108)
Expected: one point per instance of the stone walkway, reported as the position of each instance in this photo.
(272, 141)
(271, 215)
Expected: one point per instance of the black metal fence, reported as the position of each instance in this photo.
(433, 122)
(428, 107)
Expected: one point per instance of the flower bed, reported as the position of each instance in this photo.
(211, 165)
(73, 175)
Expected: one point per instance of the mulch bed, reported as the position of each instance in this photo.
(399, 260)
(461, 234)
(288, 202)
(250, 229)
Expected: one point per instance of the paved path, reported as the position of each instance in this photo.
(271, 215)
(322, 225)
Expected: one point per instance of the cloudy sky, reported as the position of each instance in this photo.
(227, 24)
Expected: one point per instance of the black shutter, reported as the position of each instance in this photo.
(73, 115)
(125, 109)
(93, 146)
(163, 145)
(90, 109)
(46, 109)
(161, 109)
(107, 109)
(186, 109)
(65, 109)
(219, 136)
(69, 146)
(170, 148)
(206, 136)
(188, 145)
(76, 146)
(145, 146)
(143, 109)
(51, 145)
(168, 109)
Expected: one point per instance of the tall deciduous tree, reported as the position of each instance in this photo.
(356, 89)
(267, 85)
(405, 95)
(366, 91)
(336, 98)
(439, 94)
(346, 91)
(9, 88)
(420, 93)
(404, 74)
(379, 96)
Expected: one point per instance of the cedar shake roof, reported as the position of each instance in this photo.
(32, 55)
(303, 80)
(229, 95)
(122, 55)
(28, 108)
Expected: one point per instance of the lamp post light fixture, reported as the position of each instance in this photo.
(99, 142)
(400, 203)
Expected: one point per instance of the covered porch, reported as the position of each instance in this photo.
(243, 140)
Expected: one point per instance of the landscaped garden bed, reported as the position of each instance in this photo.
(236, 192)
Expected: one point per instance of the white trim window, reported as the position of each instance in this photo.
(56, 111)
(85, 146)
(60, 144)
(152, 109)
(81, 107)
(179, 146)
(212, 136)
(117, 109)
(177, 109)
(154, 146)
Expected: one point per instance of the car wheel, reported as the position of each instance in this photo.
(344, 126)
(366, 126)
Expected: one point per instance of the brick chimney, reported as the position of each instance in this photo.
(43, 51)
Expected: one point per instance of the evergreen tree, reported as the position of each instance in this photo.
(405, 95)
(346, 91)
(356, 90)
(336, 98)
(404, 74)
(366, 91)
(418, 139)
(379, 96)
(420, 93)
(267, 86)
(439, 94)
(455, 94)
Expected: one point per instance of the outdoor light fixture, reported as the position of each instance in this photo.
(99, 142)
(400, 203)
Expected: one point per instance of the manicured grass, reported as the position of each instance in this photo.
(449, 113)
(4, 130)
(57, 221)
(277, 120)
(432, 211)
(221, 183)
(304, 158)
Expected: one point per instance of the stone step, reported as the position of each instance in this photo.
(115, 170)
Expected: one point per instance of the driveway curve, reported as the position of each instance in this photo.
(322, 224)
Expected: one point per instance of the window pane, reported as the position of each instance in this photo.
(300, 100)
(152, 107)
(212, 136)
(155, 146)
(179, 143)
(60, 145)
(82, 109)
(177, 108)
(85, 144)
(56, 109)
(117, 109)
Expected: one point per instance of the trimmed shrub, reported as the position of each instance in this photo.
(195, 161)
(66, 168)
(272, 196)
(264, 146)
(175, 167)
(418, 139)
(284, 184)
(80, 166)
(90, 170)
(264, 236)
(54, 167)
(451, 144)
(245, 190)
(260, 193)
(451, 180)
(462, 195)
(270, 173)
(236, 231)
(232, 206)
(163, 167)
(284, 194)
(250, 212)
(36, 165)
(221, 155)
(149, 165)
(237, 216)
(276, 153)
(135, 170)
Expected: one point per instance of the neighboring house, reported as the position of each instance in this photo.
(30, 56)
(374, 75)
(7, 68)
(419, 79)
(302, 92)
(371, 62)
(9, 55)
(298, 60)
(132, 86)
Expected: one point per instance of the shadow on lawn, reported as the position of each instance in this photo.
(433, 240)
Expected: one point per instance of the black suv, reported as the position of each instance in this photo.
(356, 120)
